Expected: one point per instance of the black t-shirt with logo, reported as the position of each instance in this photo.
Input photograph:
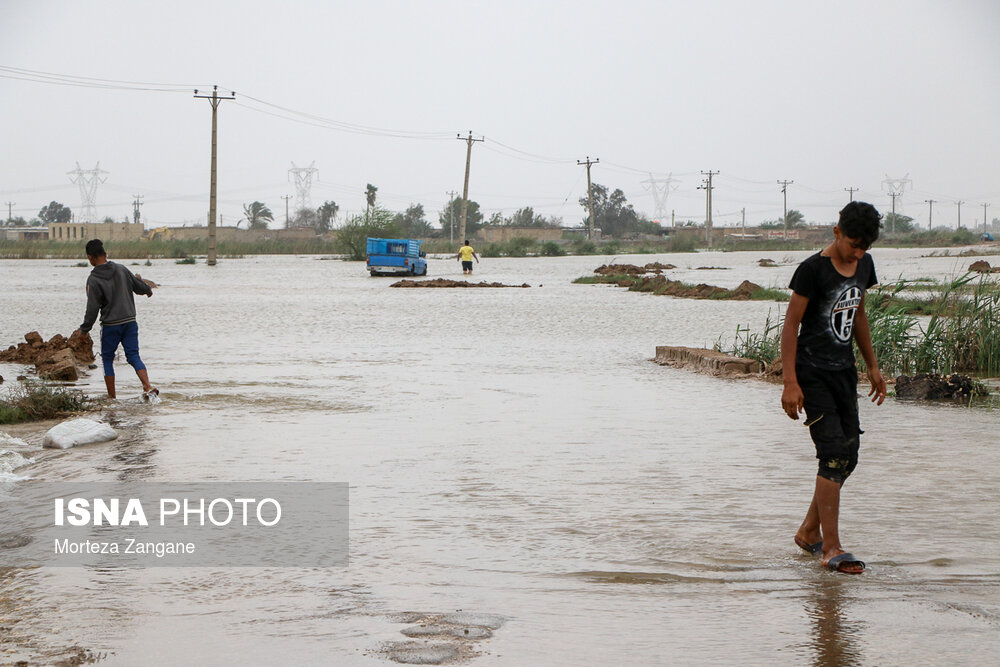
(828, 323)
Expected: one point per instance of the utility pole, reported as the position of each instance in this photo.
(743, 211)
(214, 100)
(465, 191)
(984, 217)
(451, 217)
(852, 191)
(590, 193)
(930, 215)
(784, 193)
(959, 203)
(10, 212)
(894, 195)
(136, 203)
(707, 187)
(286, 198)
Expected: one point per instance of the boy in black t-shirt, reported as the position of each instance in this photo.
(828, 297)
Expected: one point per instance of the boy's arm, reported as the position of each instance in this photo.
(138, 286)
(93, 307)
(791, 397)
(476, 256)
(863, 337)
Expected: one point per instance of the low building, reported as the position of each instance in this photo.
(106, 231)
(25, 233)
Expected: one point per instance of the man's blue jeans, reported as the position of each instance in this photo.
(128, 336)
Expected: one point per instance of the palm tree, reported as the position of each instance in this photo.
(257, 215)
(370, 198)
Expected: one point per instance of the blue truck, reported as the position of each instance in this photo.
(395, 256)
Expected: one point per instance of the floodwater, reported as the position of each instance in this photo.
(515, 456)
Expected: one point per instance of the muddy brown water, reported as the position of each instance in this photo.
(514, 458)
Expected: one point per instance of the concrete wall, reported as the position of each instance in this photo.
(76, 232)
(495, 234)
(25, 233)
(237, 234)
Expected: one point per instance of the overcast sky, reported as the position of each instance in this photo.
(830, 95)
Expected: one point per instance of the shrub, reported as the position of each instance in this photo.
(32, 401)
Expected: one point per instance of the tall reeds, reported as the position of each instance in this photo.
(957, 330)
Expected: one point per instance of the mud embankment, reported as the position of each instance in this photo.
(444, 282)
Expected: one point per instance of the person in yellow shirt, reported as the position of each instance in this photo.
(466, 253)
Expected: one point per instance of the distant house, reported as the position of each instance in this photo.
(106, 231)
(25, 233)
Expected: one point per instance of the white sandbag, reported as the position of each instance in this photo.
(78, 432)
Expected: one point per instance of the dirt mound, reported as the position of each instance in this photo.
(444, 282)
(930, 386)
(619, 269)
(661, 285)
(657, 267)
(766, 263)
(35, 350)
(982, 266)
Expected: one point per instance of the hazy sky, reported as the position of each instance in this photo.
(828, 94)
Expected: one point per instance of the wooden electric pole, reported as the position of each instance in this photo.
(465, 191)
(286, 198)
(930, 213)
(707, 187)
(959, 203)
(590, 192)
(894, 195)
(852, 191)
(214, 100)
(984, 217)
(784, 194)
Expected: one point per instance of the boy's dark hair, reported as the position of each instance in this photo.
(466, 241)
(860, 220)
(95, 248)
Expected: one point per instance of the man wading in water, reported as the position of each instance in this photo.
(109, 290)
(828, 300)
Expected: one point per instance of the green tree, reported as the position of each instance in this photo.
(352, 236)
(305, 217)
(370, 191)
(795, 220)
(257, 215)
(453, 213)
(326, 214)
(55, 212)
(897, 222)
(613, 215)
(412, 222)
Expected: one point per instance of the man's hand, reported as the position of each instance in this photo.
(877, 392)
(792, 400)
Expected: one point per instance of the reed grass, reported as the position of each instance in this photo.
(955, 331)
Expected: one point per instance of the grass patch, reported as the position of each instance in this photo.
(764, 346)
(187, 260)
(31, 401)
(955, 331)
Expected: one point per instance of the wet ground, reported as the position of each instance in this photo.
(515, 458)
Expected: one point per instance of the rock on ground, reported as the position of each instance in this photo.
(35, 349)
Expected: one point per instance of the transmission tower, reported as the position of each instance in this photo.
(303, 184)
(88, 180)
(897, 185)
(660, 187)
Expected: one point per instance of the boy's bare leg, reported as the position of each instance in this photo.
(109, 382)
(144, 379)
(809, 532)
(828, 505)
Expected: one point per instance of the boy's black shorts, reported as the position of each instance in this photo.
(831, 404)
(467, 266)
